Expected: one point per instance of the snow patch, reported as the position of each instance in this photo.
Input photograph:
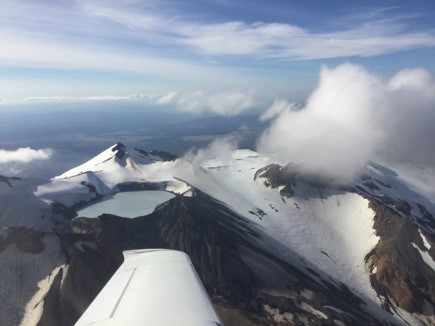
(307, 294)
(425, 242)
(277, 316)
(35, 307)
(178, 187)
(32, 273)
(305, 306)
(426, 257)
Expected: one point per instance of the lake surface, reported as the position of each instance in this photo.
(127, 204)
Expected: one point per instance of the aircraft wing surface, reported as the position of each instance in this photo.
(152, 287)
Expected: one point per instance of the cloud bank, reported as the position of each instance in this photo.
(224, 103)
(354, 116)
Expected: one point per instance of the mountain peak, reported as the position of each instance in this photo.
(120, 150)
(117, 154)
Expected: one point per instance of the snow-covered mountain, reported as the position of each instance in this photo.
(272, 245)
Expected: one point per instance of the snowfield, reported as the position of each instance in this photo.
(32, 272)
(331, 230)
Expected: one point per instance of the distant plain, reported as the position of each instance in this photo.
(77, 131)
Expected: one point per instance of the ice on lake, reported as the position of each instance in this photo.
(127, 204)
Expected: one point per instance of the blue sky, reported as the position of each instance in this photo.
(128, 49)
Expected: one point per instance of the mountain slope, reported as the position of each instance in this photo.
(271, 243)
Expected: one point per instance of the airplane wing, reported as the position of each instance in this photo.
(152, 287)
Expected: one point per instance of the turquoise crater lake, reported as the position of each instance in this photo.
(127, 204)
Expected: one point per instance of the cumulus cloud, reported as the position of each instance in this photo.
(278, 106)
(24, 155)
(217, 153)
(224, 103)
(354, 116)
(167, 98)
(15, 162)
(220, 149)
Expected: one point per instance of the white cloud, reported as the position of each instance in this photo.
(167, 98)
(220, 150)
(353, 116)
(278, 106)
(24, 155)
(374, 36)
(22, 160)
(160, 40)
(225, 103)
(29, 50)
(411, 117)
(152, 24)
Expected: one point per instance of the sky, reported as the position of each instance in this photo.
(245, 51)
(339, 83)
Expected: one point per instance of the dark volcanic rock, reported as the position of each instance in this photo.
(52, 299)
(400, 273)
(5, 180)
(275, 177)
(26, 240)
(288, 176)
(224, 248)
(199, 226)
(120, 150)
(165, 156)
(62, 210)
(139, 186)
(85, 225)
(88, 269)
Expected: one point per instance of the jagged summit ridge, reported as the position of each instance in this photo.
(116, 155)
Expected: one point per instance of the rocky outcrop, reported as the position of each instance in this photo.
(139, 186)
(165, 156)
(5, 180)
(75, 285)
(25, 239)
(399, 274)
(398, 270)
(121, 151)
(208, 231)
(287, 177)
(275, 177)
